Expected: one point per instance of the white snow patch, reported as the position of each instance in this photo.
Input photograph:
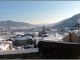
(23, 38)
(79, 20)
(30, 50)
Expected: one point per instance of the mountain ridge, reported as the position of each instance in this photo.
(68, 22)
(10, 23)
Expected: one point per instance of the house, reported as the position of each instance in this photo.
(22, 41)
(72, 37)
(5, 45)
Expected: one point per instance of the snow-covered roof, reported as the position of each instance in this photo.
(62, 42)
(64, 34)
(67, 33)
(53, 29)
(31, 33)
(38, 39)
(76, 32)
(4, 44)
(79, 20)
(30, 50)
(18, 33)
(23, 38)
(50, 38)
(54, 38)
(5, 37)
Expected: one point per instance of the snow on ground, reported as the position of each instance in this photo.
(56, 37)
(53, 37)
(76, 32)
(5, 37)
(18, 33)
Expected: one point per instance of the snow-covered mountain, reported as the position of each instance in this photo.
(69, 22)
(10, 23)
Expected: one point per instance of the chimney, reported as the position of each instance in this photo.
(70, 37)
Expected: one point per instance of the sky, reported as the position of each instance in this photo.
(38, 12)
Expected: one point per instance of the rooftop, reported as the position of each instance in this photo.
(30, 50)
(23, 38)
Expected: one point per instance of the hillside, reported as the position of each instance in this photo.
(10, 23)
(69, 22)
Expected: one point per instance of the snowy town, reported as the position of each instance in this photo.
(39, 29)
(25, 41)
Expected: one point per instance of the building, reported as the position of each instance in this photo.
(5, 45)
(72, 37)
(43, 31)
(22, 41)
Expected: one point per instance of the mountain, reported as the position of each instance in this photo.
(69, 22)
(10, 23)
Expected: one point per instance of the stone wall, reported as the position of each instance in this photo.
(54, 50)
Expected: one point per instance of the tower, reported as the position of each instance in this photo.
(43, 31)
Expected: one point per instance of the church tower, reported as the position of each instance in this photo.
(44, 30)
